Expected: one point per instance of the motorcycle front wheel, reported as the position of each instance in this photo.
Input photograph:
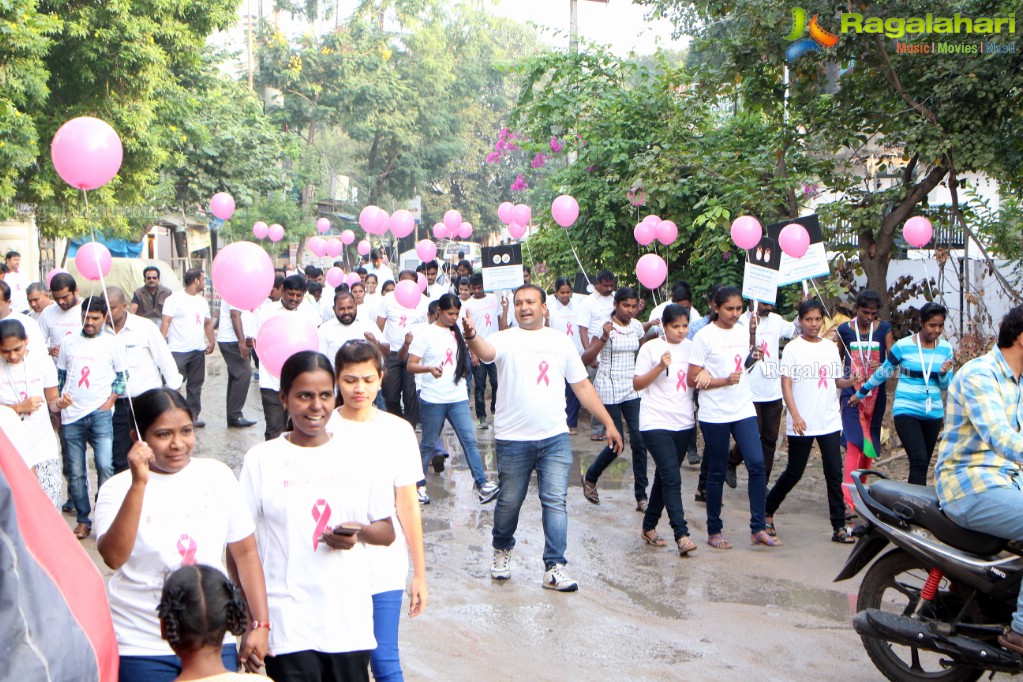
(893, 584)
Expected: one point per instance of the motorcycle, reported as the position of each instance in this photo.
(932, 607)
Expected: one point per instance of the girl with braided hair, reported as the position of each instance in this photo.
(198, 607)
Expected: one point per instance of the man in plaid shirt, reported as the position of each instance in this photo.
(981, 450)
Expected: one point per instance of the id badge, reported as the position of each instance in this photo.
(928, 405)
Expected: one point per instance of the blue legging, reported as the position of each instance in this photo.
(384, 660)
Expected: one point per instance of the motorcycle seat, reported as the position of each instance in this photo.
(918, 504)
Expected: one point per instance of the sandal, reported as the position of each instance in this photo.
(842, 536)
(686, 545)
(596, 439)
(719, 542)
(572, 431)
(656, 540)
(641, 505)
(82, 531)
(762, 538)
(590, 491)
(769, 529)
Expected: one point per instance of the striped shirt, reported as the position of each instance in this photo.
(913, 394)
(981, 447)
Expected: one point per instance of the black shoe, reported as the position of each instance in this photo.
(730, 476)
(694, 458)
(199, 424)
(239, 423)
(438, 463)
(701, 496)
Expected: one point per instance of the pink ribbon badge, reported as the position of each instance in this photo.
(187, 548)
(84, 378)
(321, 515)
(449, 357)
(568, 330)
(402, 320)
(738, 363)
(681, 385)
(543, 367)
(486, 320)
(763, 349)
(197, 320)
(823, 381)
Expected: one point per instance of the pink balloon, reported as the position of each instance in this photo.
(746, 232)
(651, 271)
(323, 226)
(794, 240)
(363, 248)
(667, 232)
(402, 223)
(55, 271)
(565, 210)
(86, 152)
(260, 229)
(421, 282)
(222, 205)
(335, 277)
(522, 214)
(347, 237)
(465, 231)
(645, 233)
(440, 231)
(656, 220)
(452, 221)
(93, 261)
(516, 231)
(352, 278)
(334, 247)
(282, 336)
(276, 234)
(243, 275)
(426, 250)
(505, 212)
(918, 231)
(317, 245)
(373, 219)
(407, 293)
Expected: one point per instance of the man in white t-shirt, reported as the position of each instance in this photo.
(35, 337)
(237, 356)
(434, 289)
(533, 363)
(90, 375)
(38, 299)
(377, 267)
(18, 281)
(486, 315)
(345, 327)
(681, 294)
(57, 322)
(595, 310)
(395, 320)
(188, 327)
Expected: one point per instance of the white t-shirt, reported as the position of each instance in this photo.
(28, 379)
(532, 368)
(765, 377)
(399, 319)
(56, 323)
(22, 438)
(565, 319)
(595, 311)
(188, 314)
(371, 305)
(187, 518)
(436, 290)
(320, 599)
(34, 336)
(384, 274)
(18, 282)
(333, 335)
(722, 352)
(667, 403)
(655, 314)
(395, 450)
(225, 330)
(813, 368)
(92, 364)
(486, 313)
(436, 347)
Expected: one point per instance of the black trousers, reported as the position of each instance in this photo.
(239, 375)
(918, 436)
(399, 389)
(192, 366)
(274, 415)
(799, 453)
(309, 666)
(668, 449)
(123, 426)
(768, 421)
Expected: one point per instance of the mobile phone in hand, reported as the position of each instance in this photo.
(346, 529)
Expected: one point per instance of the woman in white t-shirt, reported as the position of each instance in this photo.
(721, 354)
(317, 503)
(390, 443)
(811, 371)
(438, 353)
(171, 510)
(564, 317)
(622, 335)
(28, 385)
(667, 421)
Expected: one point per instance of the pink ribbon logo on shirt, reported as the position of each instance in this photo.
(187, 548)
(681, 385)
(197, 320)
(763, 349)
(568, 329)
(84, 378)
(402, 320)
(321, 515)
(449, 358)
(543, 367)
(823, 381)
(486, 320)
(738, 363)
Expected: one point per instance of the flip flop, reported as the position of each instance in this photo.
(686, 545)
(597, 439)
(763, 538)
(719, 542)
(842, 536)
(656, 540)
(590, 491)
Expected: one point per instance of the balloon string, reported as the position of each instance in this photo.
(820, 299)
(579, 262)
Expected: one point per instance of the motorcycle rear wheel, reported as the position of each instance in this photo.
(893, 584)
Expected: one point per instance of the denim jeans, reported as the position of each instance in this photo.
(516, 461)
(165, 668)
(479, 377)
(668, 449)
(630, 410)
(384, 660)
(995, 512)
(799, 453)
(433, 416)
(96, 429)
(747, 437)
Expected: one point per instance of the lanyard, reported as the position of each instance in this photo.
(864, 355)
(18, 397)
(926, 371)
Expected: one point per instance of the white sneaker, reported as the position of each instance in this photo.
(421, 492)
(482, 424)
(555, 578)
(501, 568)
(488, 492)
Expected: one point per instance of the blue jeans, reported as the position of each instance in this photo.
(630, 410)
(480, 373)
(384, 660)
(668, 449)
(516, 461)
(165, 668)
(97, 429)
(747, 437)
(433, 416)
(995, 511)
